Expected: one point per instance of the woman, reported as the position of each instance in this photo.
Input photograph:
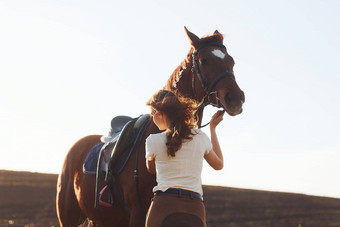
(176, 156)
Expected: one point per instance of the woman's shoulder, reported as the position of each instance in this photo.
(156, 136)
(202, 139)
(198, 134)
(197, 131)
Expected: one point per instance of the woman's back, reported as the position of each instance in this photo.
(183, 170)
(176, 157)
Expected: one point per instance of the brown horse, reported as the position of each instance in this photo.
(205, 75)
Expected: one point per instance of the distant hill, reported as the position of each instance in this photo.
(29, 199)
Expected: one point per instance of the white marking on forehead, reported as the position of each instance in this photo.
(218, 53)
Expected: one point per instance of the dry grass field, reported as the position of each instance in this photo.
(28, 199)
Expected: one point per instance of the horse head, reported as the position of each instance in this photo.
(213, 78)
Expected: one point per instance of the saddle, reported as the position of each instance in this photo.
(124, 136)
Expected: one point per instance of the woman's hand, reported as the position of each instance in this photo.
(216, 119)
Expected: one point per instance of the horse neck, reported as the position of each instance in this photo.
(181, 81)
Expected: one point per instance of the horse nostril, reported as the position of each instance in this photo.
(227, 98)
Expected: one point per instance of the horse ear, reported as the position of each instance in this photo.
(194, 40)
(217, 33)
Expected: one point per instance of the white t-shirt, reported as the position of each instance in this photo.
(184, 170)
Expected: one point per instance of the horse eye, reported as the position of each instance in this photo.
(203, 61)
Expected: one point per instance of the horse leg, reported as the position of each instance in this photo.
(136, 219)
(68, 210)
(138, 192)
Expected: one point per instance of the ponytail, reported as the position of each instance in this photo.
(180, 112)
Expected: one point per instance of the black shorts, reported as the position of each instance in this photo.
(170, 210)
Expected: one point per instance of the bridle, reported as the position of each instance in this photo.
(207, 88)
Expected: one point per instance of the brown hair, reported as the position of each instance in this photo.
(180, 112)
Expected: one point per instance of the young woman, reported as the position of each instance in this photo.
(176, 157)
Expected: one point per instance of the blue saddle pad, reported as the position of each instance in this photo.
(90, 163)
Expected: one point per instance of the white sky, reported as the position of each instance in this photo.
(68, 67)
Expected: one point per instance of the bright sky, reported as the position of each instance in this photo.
(67, 67)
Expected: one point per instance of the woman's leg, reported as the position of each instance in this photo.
(173, 210)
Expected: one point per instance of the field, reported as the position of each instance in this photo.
(28, 199)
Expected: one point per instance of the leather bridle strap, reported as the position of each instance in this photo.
(208, 89)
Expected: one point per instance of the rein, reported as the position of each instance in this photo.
(202, 107)
(207, 88)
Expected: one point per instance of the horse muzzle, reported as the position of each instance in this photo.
(232, 103)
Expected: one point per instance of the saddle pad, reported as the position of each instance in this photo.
(90, 163)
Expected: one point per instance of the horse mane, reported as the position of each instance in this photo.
(171, 83)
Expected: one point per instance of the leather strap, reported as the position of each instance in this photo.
(181, 192)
